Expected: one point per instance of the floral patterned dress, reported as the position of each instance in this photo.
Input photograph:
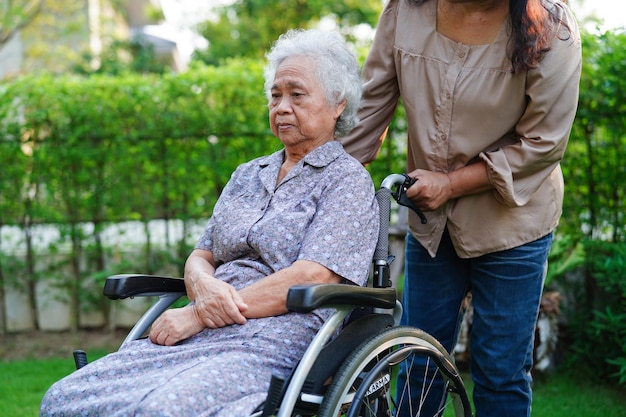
(324, 211)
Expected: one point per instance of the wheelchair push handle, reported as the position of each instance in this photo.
(394, 185)
(399, 194)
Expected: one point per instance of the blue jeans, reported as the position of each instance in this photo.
(506, 291)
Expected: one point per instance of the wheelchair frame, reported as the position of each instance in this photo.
(361, 385)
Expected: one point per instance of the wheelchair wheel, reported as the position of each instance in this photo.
(365, 384)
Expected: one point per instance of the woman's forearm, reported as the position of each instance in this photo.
(199, 266)
(468, 180)
(267, 297)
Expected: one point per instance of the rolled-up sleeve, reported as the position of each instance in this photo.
(517, 170)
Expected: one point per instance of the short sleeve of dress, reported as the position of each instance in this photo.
(343, 233)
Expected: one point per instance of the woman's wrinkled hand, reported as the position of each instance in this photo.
(218, 304)
(175, 325)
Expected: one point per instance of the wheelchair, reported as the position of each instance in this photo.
(350, 373)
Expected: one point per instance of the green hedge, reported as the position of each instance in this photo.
(598, 327)
(100, 150)
(134, 147)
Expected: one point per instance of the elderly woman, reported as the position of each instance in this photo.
(305, 214)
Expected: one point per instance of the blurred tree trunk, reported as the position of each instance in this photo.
(31, 279)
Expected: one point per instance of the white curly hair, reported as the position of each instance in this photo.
(336, 68)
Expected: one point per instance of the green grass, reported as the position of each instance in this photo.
(569, 394)
(24, 382)
(565, 394)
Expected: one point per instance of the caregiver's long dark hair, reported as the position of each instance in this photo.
(533, 27)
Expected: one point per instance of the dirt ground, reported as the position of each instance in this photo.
(29, 345)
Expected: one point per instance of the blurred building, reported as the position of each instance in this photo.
(66, 32)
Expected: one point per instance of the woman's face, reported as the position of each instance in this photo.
(299, 114)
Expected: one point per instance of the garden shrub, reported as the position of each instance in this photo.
(599, 325)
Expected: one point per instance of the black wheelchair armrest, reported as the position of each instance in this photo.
(129, 285)
(306, 298)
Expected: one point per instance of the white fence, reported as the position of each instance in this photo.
(53, 307)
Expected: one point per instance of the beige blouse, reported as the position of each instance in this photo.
(463, 104)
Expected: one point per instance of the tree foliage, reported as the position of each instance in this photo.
(55, 39)
(135, 55)
(16, 15)
(64, 37)
(595, 163)
(591, 240)
(247, 28)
